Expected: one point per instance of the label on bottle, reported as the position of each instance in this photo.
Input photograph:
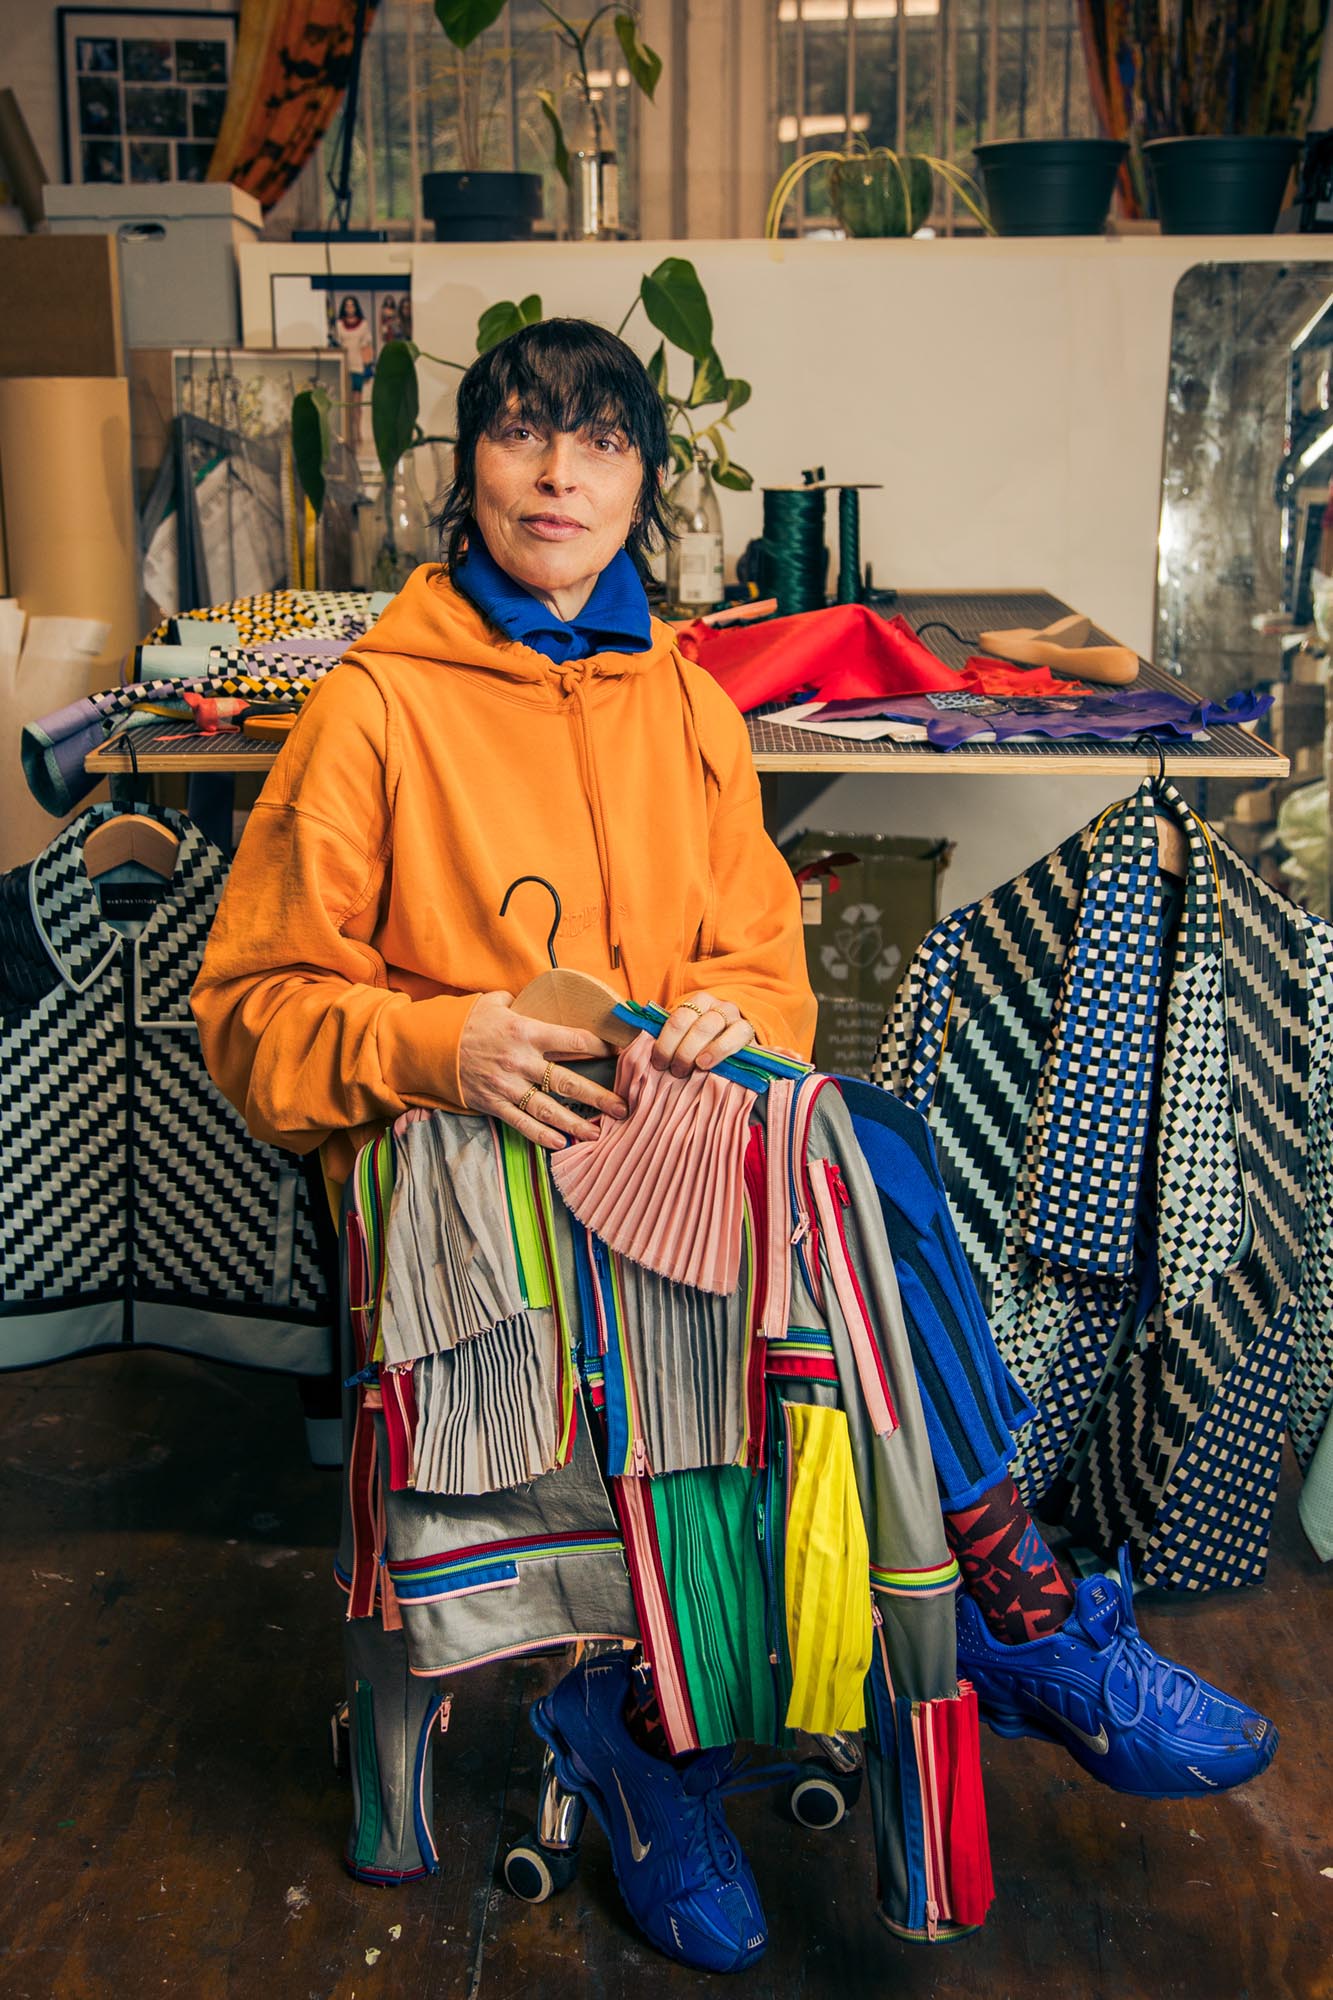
(699, 568)
(610, 216)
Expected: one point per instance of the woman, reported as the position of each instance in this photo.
(351, 331)
(517, 711)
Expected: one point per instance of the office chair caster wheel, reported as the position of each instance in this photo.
(534, 1873)
(340, 1737)
(820, 1797)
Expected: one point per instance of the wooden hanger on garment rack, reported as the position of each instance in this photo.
(131, 837)
(568, 999)
(1172, 847)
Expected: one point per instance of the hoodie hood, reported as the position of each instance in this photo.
(430, 620)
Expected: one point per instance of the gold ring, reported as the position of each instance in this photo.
(522, 1104)
(545, 1083)
(694, 1007)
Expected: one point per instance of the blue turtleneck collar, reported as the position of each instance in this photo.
(616, 618)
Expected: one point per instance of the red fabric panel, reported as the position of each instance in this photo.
(846, 653)
(962, 1805)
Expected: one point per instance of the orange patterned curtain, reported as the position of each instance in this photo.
(292, 63)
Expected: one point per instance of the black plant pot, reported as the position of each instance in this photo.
(481, 208)
(1049, 187)
(1220, 186)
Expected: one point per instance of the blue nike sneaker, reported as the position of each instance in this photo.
(685, 1881)
(1136, 1721)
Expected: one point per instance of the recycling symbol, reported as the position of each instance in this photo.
(858, 945)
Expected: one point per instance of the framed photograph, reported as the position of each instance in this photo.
(355, 316)
(142, 91)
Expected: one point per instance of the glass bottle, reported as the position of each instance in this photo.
(405, 529)
(694, 559)
(594, 186)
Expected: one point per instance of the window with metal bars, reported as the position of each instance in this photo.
(413, 110)
(923, 76)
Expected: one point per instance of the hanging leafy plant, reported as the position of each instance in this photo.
(463, 21)
(875, 191)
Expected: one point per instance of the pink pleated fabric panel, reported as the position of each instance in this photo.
(665, 1186)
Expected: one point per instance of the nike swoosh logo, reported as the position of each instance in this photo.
(638, 1848)
(1098, 1744)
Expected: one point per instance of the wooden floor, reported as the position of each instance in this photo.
(171, 1823)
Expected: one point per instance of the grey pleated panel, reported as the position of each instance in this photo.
(451, 1270)
(488, 1411)
(687, 1357)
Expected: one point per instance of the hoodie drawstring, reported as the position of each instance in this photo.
(572, 679)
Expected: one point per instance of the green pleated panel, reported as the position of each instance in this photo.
(706, 1530)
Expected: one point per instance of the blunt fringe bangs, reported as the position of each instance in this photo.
(566, 375)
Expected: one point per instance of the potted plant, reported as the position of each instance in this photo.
(473, 204)
(1220, 184)
(470, 204)
(875, 191)
(1049, 187)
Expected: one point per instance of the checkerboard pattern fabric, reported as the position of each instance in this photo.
(124, 1174)
(280, 614)
(1311, 1393)
(1026, 1031)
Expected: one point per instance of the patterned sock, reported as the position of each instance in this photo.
(1007, 1568)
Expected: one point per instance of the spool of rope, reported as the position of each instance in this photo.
(794, 559)
(849, 545)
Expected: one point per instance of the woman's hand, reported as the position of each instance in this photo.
(699, 1033)
(506, 1062)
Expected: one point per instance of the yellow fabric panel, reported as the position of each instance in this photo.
(827, 1567)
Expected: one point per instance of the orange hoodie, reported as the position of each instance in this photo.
(433, 766)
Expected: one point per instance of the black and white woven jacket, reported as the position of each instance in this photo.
(134, 1205)
(1138, 1150)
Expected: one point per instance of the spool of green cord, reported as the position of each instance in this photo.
(849, 545)
(794, 566)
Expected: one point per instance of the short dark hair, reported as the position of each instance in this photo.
(570, 375)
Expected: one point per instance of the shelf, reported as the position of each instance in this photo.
(781, 748)
(1227, 752)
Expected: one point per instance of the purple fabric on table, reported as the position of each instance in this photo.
(1111, 716)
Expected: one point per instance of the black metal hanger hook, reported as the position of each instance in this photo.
(554, 895)
(1154, 743)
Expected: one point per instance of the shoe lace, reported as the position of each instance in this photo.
(1150, 1676)
(710, 1839)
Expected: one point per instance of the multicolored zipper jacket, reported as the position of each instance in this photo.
(134, 1205)
(747, 1487)
(1133, 1123)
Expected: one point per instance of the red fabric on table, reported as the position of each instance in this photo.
(845, 653)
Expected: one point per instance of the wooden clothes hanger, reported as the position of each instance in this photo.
(565, 998)
(131, 837)
(1172, 847)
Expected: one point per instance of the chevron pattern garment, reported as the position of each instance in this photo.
(133, 1203)
(1125, 1151)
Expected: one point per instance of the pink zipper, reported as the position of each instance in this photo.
(777, 1294)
